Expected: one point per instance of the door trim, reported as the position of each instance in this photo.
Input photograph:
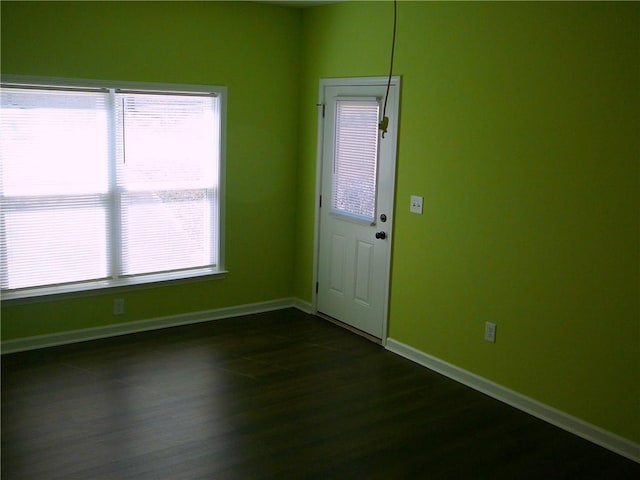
(392, 108)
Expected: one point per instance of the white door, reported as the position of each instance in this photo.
(356, 207)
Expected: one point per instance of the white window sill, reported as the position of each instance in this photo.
(85, 289)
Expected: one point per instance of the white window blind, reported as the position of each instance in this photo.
(168, 191)
(54, 183)
(355, 158)
(103, 187)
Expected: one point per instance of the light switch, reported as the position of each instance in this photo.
(416, 205)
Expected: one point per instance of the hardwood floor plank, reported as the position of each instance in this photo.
(276, 395)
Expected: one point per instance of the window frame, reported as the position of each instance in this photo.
(139, 281)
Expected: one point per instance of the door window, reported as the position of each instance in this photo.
(355, 158)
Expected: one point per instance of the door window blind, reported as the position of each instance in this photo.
(355, 158)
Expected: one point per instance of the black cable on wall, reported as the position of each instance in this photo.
(385, 120)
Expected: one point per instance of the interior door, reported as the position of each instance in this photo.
(356, 207)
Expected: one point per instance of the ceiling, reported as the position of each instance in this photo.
(300, 3)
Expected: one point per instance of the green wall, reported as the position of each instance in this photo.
(251, 49)
(519, 126)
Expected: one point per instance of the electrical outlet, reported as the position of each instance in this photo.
(416, 204)
(490, 332)
(118, 306)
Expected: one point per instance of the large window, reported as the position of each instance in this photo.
(108, 185)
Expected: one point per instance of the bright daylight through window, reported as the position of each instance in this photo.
(356, 158)
(108, 185)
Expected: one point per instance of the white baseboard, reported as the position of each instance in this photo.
(303, 306)
(567, 422)
(74, 336)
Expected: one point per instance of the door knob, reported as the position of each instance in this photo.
(381, 235)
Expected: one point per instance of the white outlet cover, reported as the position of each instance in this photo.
(118, 306)
(416, 204)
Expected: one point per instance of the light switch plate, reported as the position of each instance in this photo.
(416, 204)
(490, 332)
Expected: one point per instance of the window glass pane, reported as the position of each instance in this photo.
(53, 142)
(167, 230)
(166, 141)
(355, 158)
(167, 171)
(60, 244)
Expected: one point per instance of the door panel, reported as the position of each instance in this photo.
(364, 261)
(337, 262)
(358, 170)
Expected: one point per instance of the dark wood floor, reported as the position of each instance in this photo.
(280, 395)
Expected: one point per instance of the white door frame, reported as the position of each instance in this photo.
(392, 109)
